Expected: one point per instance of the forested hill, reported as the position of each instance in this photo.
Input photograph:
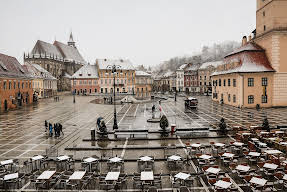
(212, 53)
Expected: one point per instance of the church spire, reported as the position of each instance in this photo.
(71, 41)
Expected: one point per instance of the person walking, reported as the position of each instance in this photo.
(46, 125)
(55, 130)
(61, 129)
(50, 130)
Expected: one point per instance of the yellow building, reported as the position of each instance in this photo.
(143, 85)
(125, 76)
(256, 73)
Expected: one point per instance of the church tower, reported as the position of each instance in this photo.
(71, 41)
(271, 34)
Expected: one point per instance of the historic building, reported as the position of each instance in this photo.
(257, 71)
(125, 76)
(15, 84)
(191, 83)
(44, 84)
(143, 85)
(61, 60)
(180, 78)
(204, 75)
(244, 79)
(86, 80)
(271, 35)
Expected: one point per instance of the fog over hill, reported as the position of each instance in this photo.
(215, 52)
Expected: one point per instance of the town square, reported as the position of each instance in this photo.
(213, 120)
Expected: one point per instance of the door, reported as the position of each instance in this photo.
(5, 105)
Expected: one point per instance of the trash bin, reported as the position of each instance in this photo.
(173, 127)
(93, 134)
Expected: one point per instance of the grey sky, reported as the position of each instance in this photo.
(145, 31)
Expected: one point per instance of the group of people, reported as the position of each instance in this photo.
(57, 127)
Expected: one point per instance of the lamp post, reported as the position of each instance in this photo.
(114, 69)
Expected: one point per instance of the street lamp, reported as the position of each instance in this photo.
(114, 69)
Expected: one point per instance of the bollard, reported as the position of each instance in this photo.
(173, 126)
(93, 134)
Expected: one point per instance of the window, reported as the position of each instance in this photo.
(264, 99)
(219, 83)
(250, 99)
(10, 85)
(229, 97)
(4, 85)
(224, 82)
(264, 81)
(264, 28)
(101, 90)
(250, 82)
(14, 85)
(234, 98)
(263, 13)
(234, 82)
(22, 85)
(228, 82)
(95, 90)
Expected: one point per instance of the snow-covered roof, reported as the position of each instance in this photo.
(168, 74)
(212, 64)
(124, 64)
(87, 72)
(182, 67)
(248, 47)
(59, 50)
(193, 68)
(70, 53)
(142, 73)
(37, 72)
(251, 60)
(44, 73)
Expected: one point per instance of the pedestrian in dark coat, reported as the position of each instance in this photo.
(61, 128)
(46, 125)
(50, 130)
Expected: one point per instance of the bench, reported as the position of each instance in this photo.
(282, 127)
(131, 133)
(191, 130)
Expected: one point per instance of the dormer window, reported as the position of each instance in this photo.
(80, 74)
(89, 74)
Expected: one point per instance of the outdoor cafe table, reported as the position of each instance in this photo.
(254, 139)
(89, 161)
(285, 177)
(147, 176)
(36, 159)
(238, 144)
(254, 154)
(205, 157)
(223, 184)
(262, 144)
(258, 181)
(77, 175)
(219, 144)
(145, 158)
(112, 176)
(115, 159)
(174, 158)
(195, 145)
(273, 152)
(63, 158)
(6, 162)
(283, 143)
(11, 176)
(270, 166)
(242, 168)
(46, 175)
(182, 176)
(230, 155)
(213, 170)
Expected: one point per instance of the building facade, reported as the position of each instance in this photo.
(271, 34)
(180, 78)
(143, 85)
(245, 78)
(15, 84)
(59, 59)
(44, 84)
(125, 76)
(204, 75)
(86, 80)
(191, 83)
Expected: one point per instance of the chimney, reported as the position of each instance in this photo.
(244, 41)
(249, 38)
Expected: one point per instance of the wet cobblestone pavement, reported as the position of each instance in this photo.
(22, 132)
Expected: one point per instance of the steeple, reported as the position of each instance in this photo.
(71, 41)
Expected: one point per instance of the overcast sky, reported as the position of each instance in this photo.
(145, 31)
